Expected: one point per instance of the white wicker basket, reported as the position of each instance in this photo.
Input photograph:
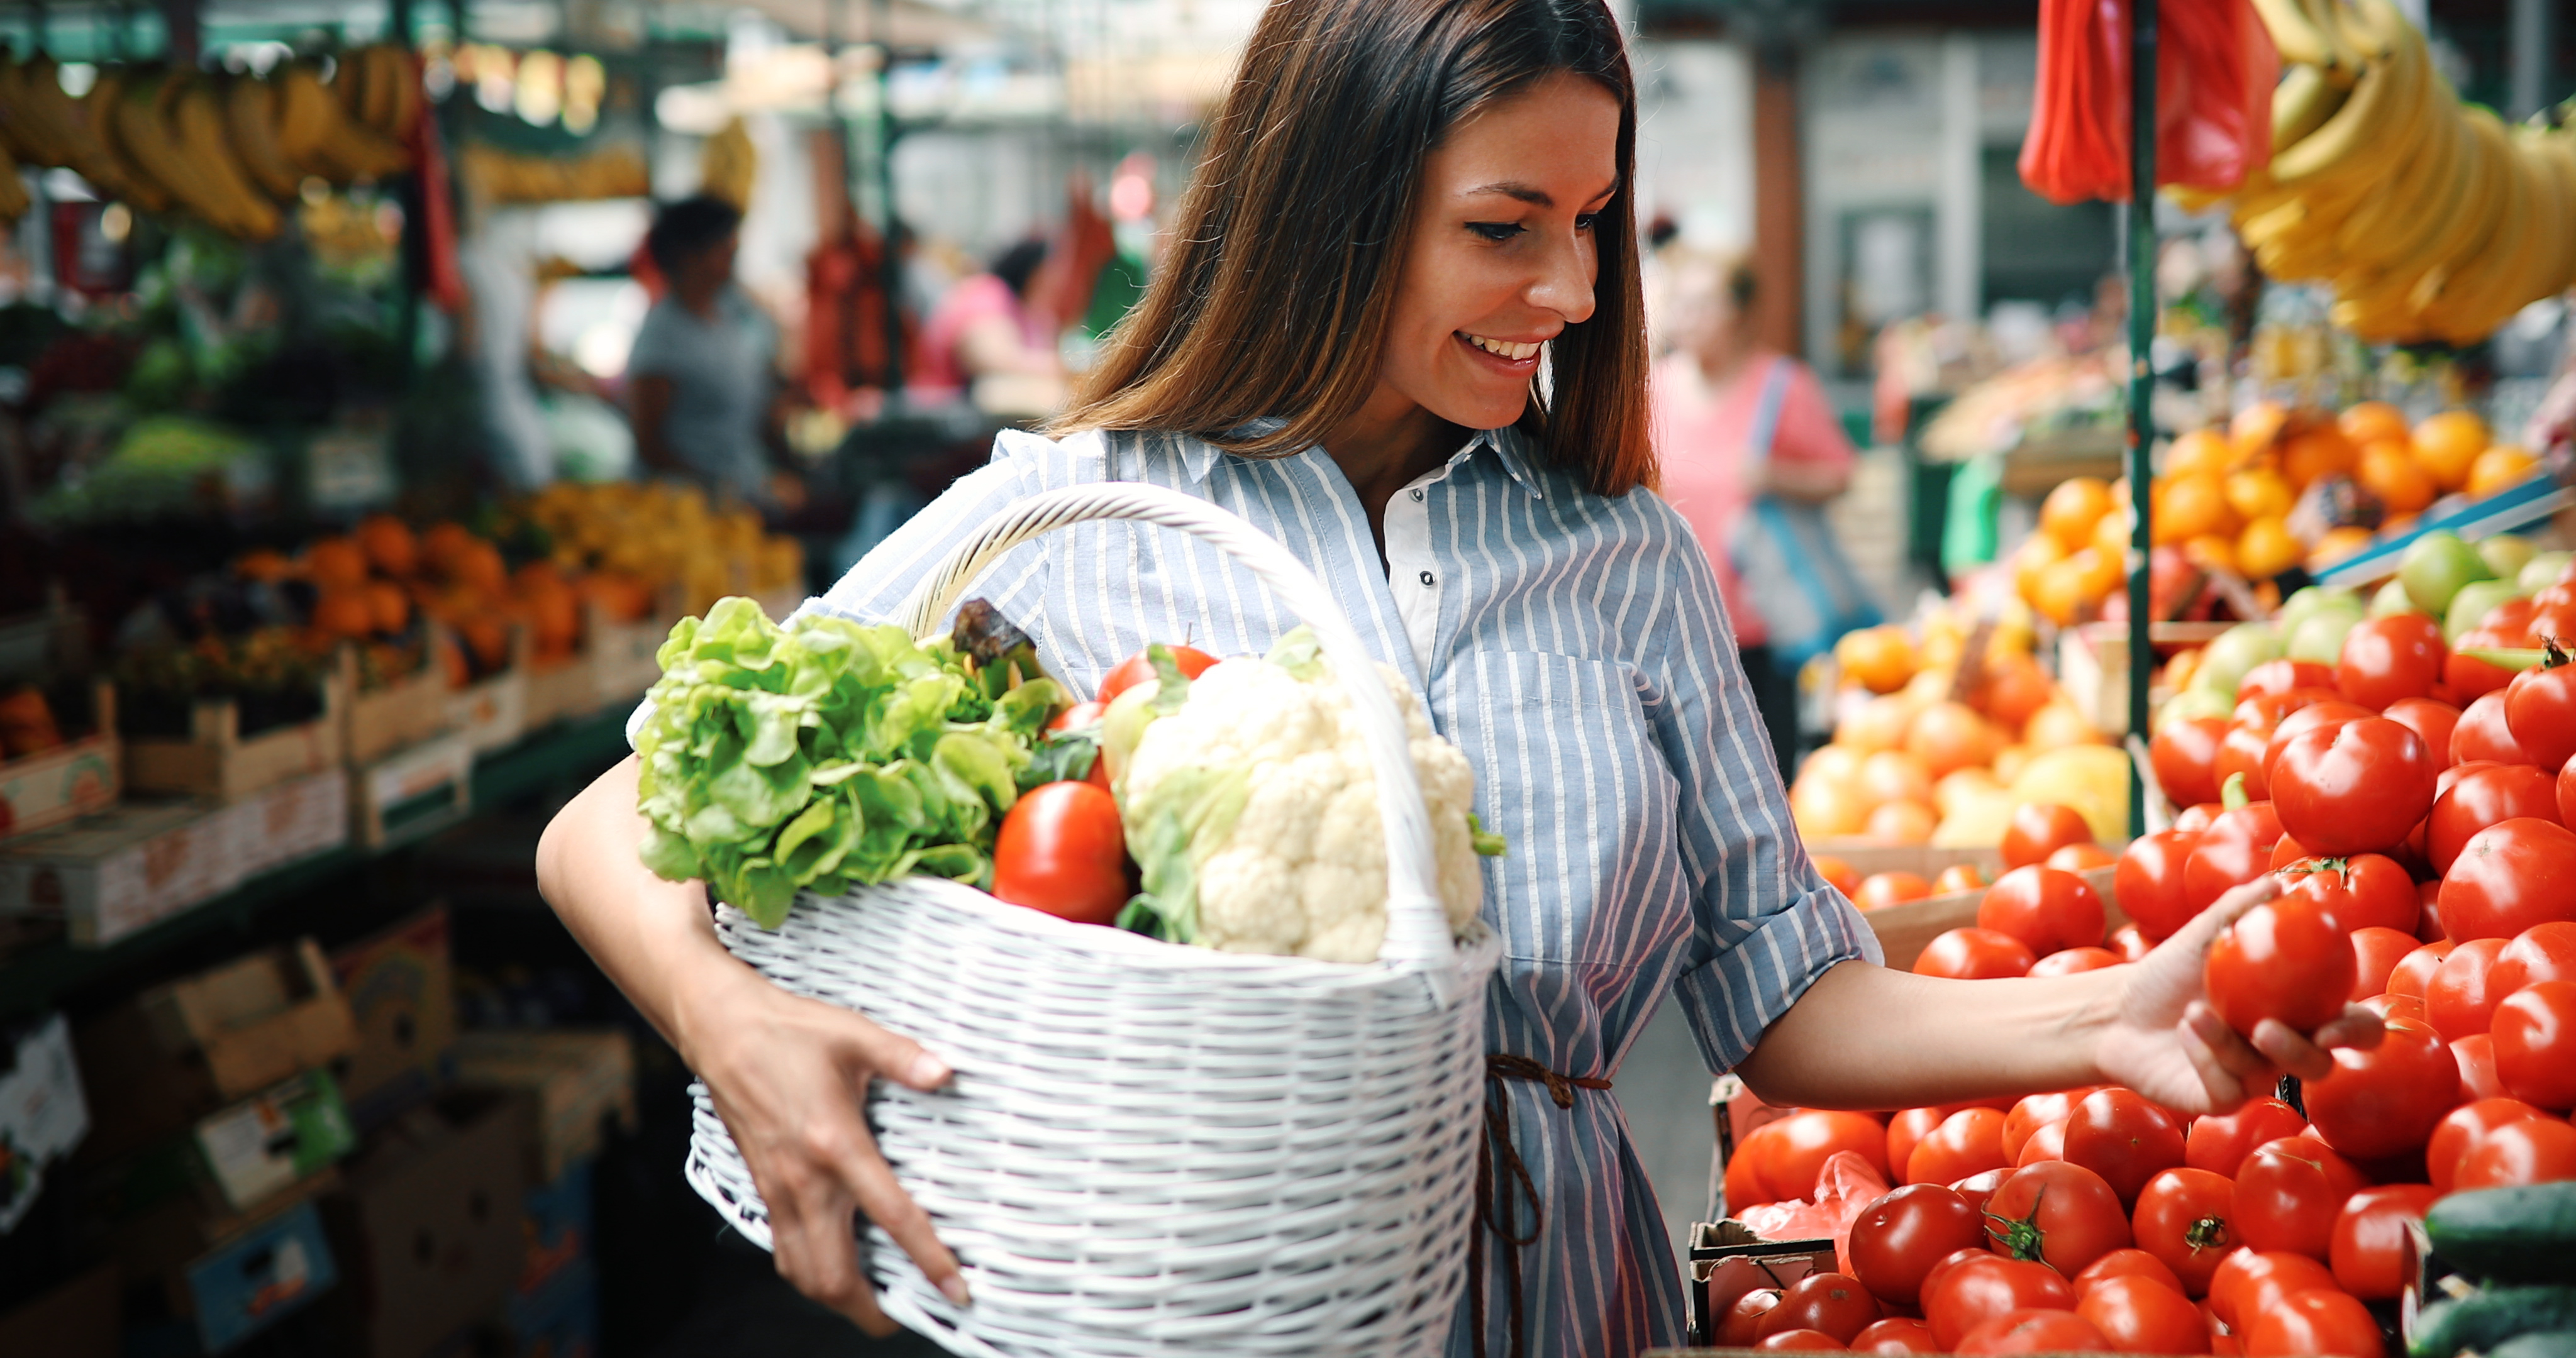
(1150, 1149)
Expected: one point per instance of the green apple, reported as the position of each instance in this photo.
(2307, 603)
(2434, 568)
(2231, 654)
(2471, 605)
(2506, 554)
(2392, 600)
(2194, 702)
(2320, 636)
(2543, 570)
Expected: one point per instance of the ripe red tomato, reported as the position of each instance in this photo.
(2131, 1262)
(1967, 1295)
(1896, 1334)
(2388, 659)
(2287, 1193)
(2370, 1249)
(2383, 1102)
(2249, 1282)
(1956, 879)
(1897, 1239)
(2529, 1151)
(2058, 1214)
(2236, 849)
(2413, 974)
(2034, 1111)
(2543, 952)
(2047, 1143)
(1880, 890)
(2429, 718)
(2240, 754)
(2483, 797)
(2376, 951)
(2149, 881)
(2458, 1000)
(2183, 1220)
(2329, 713)
(2034, 1329)
(2540, 710)
(2038, 829)
(2512, 875)
(2360, 892)
(2469, 678)
(1079, 717)
(2316, 1321)
(2119, 1135)
(2535, 1044)
(2284, 959)
(1974, 955)
(2566, 791)
(2183, 754)
(1060, 850)
(1834, 1303)
(2197, 817)
(1978, 1189)
(1788, 1154)
(2129, 942)
(1799, 1341)
(1741, 1328)
(2220, 1144)
(1970, 1141)
(2478, 1078)
(1907, 1128)
(2144, 1315)
(2282, 676)
(2289, 853)
(2394, 1008)
(2074, 960)
(2482, 734)
(2081, 858)
(2353, 787)
(2462, 1130)
(2048, 910)
(1137, 668)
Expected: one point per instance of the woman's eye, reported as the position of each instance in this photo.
(1584, 222)
(1496, 231)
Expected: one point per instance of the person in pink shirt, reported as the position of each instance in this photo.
(1712, 398)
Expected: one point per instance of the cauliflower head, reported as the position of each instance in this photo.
(1253, 812)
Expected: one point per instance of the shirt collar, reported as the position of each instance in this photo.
(1510, 446)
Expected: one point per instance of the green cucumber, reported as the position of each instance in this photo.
(2553, 1344)
(2482, 1320)
(2525, 1234)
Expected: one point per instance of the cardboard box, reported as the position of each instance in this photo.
(403, 713)
(272, 1270)
(431, 1221)
(287, 822)
(83, 1318)
(579, 1079)
(216, 760)
(1727, 1261)
(558, 1237)
(42, 1115)
(179, 1051)
(285, 1136)
(112, 874)
(401, 986)
(77, 778)
(420, 791)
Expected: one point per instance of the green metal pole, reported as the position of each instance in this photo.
(2141, 240)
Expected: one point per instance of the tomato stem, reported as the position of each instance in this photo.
(2550, 656)
(2208, 1233)
(2020, 1237)
(2233, 796)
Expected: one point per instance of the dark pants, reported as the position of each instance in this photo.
(1775, 693)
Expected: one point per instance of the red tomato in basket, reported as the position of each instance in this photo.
(2287, 1194)
(1896, 1240)
(1741, 1327)
(1788, 1154)
(1137, 668)
(2220, 1144)
(1967, 1295)
(2354, 786)
(2431, 719)
(1800, 1341)
(2149, 881)
(2236, 849)
(2385, 1101)
(1896, 1334)
(2144, 1314)
(2413, 974)
(2540, 710)
(2484, 797)
(2061, 1214)
(2131, 1262)
(2119, 1135)
(2329, 712)
(2388, 659)
(2048, 910)
(2363, 891)
(2034, 1111)
(2035, 1329)
(2531, 1151)
(2184, 754)
(2283, 676)
(1060, 850)
(2370, 1247)
(1970, 1141)
(2510, 876)
(2482, 734)
(2535, 1044)
(2250, 1282)
(2543, 952)
(2376, 952)
(1833, 1303)
(2038, 829)
(2073, 960)
(2460, 1001)
(1974, 955)
(2184, 1220)
(2319, 1320)
(2284, 959)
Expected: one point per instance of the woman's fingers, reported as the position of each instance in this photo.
(2359, 1027)
(816, 1249)
(2282, 1045)
(886, 1204)
(2224, 1089)
(2226, 1045)
(2204, 928)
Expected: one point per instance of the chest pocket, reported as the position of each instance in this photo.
(1568, 771)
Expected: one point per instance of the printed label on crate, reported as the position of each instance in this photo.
(348, 469)
(420, 771)
(50, 788)
(114, 873)
(42, 1115)
(246, 1286)
(261, 1145)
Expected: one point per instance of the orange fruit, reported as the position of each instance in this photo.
(1959, 787)
(2400, 481)
(2267, 548)
(445, 544)
(2062, 590)
(2448, 444)
(1879, 725)
(1826, 810)
(2372, 422)
(2498, 467)
(2201, 450)
(2315, 452)
(2058, 725)
(2256, 427)
(1832, 764)
(335, 563)
(2212, 553)
(2111, 535)
(2337, 544)
(2010, 761)
(1880, 658)
(1948, 736)
(2070, 511)
(1900, 823)
(264, 565)
(1959, 877)
(1839, 875)
(2259, 492)
(390, 547)
(391, 607)
(2037, 553)
(2015, 687)
(1894, 776)
(2099, 570)
(344, 614)
(2191, 506)
(478, 567)
(1880, 890)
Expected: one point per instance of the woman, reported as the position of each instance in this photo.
(1404, 205)
(1733, 421)
(699, 379)
(983, 340)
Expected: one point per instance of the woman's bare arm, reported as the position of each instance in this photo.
(648, 408)
(1864, 1036)
(789, 1074)
(1801, 479)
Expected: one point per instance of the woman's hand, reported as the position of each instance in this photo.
(2165, 1041)
(790, 1077)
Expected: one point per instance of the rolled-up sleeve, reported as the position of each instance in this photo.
(1764, 924)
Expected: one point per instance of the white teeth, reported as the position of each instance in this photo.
(1502, 348)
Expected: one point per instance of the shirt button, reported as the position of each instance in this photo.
(1417, 492)
(1427, 580)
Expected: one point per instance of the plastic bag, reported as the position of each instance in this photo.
(1846, 1184)
(2215, 70)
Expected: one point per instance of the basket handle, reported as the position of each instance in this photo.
(1417, 928)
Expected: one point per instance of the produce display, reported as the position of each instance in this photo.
(659, 534)
(823, 755)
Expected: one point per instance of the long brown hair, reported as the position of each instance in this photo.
(1275, 294)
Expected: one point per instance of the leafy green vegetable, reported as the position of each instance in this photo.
(827, 754)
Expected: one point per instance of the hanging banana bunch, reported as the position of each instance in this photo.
(2431, 219)
(173, 128)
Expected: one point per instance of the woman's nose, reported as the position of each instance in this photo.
(1564, 284)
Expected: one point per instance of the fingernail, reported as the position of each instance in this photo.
(927, 1071)
(953, 1287)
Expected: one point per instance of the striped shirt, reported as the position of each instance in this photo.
(1575, 648)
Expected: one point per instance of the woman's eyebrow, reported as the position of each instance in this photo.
(1532, 194)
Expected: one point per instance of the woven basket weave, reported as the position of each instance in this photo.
(1151, 1149)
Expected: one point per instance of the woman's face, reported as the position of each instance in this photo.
(1501, 258)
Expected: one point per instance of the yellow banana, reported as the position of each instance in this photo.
(2469, 293)
(2301, 103)
(136, 117)
(2359, 133)
(132, 182)
(2335, 24)
(2295, 32)
(197, 117)
(2396, 222)
(317, 137)
(250, 122)
(13, 192)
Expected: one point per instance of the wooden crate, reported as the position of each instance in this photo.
(1903, 930)
(492, 712)
(71, 780)
(2093, 665)
(216, 761)
(568, 688)
(624, 652)
(403, 713)
(414, 793)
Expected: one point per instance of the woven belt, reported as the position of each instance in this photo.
(1494, 1197)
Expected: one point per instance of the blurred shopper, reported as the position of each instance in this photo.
(1735, 422)
(702, 376)
(985, 342)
